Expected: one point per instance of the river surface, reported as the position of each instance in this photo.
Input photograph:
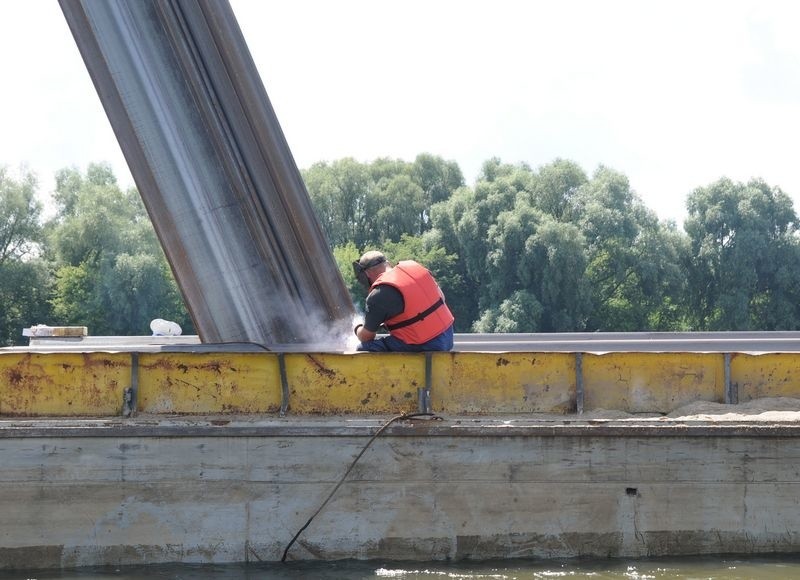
(716, 568)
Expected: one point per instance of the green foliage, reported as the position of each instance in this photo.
(633, 260)
(24, 296)
(555, 188)
(20, 212)
(587, 250)
(438, 179)
(506, 258)
(522, 250)
(521, 312)
(24, 284)
(110, 272)
(345, 256)
(556, 273)
(96, 218)
(743, 257)
(393, 219)
(372, 203)
(463, 225)
(342, 193)
(540, 261)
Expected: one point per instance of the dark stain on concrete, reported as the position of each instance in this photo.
(25, 557)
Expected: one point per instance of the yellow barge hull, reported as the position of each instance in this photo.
(66, 384)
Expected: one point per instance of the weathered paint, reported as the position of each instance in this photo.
(503, 382)
(64, 384)
(639, 382)
(69, 384)
(423, 490)
(209, 383)
(354, 383)
(766, 375)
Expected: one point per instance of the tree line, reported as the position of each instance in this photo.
(557, 250)
(551, 249)
(96, 262)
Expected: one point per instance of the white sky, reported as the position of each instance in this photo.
(673, 94)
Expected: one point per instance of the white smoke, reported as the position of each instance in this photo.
(352, 339)
(336, 336)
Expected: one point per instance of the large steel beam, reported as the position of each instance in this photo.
(213, 167)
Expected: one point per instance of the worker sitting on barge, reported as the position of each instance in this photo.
(407, 301)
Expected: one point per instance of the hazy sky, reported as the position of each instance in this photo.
(673, 94)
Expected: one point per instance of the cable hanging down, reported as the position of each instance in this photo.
(349, 469)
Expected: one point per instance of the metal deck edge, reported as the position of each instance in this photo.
(448, 427)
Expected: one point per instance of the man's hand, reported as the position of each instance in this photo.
(363, 334)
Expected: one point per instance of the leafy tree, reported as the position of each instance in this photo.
(662, 275)
(385, 168)
(20, 214)
(540, 262)
(633, 261)
(556, 187)
(369, 204)
(461, 291)
(24, 294)
(521, 312)
(463, 221)
(345, 256)
(744, 257)
(507, 261)
(438, 179)
(24, 286)
(341, 193)
(110, 271)
(400, 203)
(506, 234)
(556, 272)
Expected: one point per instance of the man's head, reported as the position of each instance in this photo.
(369, 266)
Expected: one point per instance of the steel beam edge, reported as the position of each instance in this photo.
(447, 427)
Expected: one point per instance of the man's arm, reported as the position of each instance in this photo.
(383, 303)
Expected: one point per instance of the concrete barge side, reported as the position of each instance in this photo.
(77, 492)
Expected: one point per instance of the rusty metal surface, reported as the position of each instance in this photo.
(92, 380)
(213, 168)
(35, 384)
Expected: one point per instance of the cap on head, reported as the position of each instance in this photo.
(364, 263)
(370, 259)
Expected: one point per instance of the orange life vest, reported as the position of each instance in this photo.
(425, 315)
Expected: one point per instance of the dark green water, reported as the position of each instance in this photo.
(716, 568)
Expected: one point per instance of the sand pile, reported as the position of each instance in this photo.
(767, 410)
(770, 409)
